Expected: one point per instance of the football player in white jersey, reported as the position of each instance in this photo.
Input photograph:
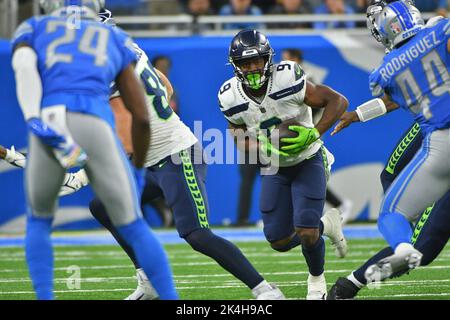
(172, 172)
(261, 96)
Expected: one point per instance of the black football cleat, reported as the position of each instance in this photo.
(343, 289)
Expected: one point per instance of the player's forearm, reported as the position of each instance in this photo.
(140, 131)
(335, 106)
(132, 94)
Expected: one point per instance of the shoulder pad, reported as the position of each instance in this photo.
(287, 72)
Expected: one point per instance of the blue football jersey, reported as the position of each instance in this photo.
(77, 61)
(416, 77)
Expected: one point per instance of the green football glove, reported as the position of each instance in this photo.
(306, 136)
(268, 148)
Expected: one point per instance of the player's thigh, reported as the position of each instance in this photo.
(309, 192)
(151, 190)
(405, 150)
(108, 168)
(423, 181)
(183, 186)
(43, 178)
(276, 207)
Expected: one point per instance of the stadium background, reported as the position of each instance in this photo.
(342, 60)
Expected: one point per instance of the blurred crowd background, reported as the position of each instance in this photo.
(198, 8)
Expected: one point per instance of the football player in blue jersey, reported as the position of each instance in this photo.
(431, 232)
(64, 63)
(414, 76)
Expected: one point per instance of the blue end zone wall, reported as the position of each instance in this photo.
(199, 69)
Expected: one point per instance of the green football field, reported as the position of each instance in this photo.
(106, 273)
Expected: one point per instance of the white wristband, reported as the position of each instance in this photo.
(371, 109)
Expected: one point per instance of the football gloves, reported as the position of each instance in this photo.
(73, 182)
(306, 136)
(268, 148)
(68, 153)
(15, 158)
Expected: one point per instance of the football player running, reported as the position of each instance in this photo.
(175, 168)
(414, 75)
(432, 230)
(62, 80)
(259, 97)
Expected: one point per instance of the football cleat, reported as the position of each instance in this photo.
(317, 288)
(332, 228)
(268, 292)
(346, 210)
(144, 290)
(398, 263)
(343, 289)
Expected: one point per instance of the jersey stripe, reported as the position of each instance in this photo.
(235, 110)
(288, 91)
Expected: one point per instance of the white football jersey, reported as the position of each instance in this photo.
(168, 134)
(282, 101)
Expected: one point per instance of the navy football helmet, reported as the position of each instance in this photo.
(246, 45)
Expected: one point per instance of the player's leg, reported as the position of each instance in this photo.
(144, 290)
(183, 184)
(308, 197)
(110, 175)
(248, 173)
(406, 148)
(43, 179)
(430, 236)
(423, 181)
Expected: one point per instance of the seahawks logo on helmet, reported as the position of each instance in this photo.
(246, 45)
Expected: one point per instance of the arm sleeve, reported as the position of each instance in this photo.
(28, 81)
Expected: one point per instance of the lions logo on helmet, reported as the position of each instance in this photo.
(393, 23)
(48, 6)
(246, 45)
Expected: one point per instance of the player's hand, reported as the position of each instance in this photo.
(268, 148)
(68, 153)
(13, 157)
(305, 137)
(46, 134)
(346, 119)
(73, 182)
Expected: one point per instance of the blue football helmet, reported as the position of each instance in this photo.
(393, 23)
(48, 6)
(250, 44)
